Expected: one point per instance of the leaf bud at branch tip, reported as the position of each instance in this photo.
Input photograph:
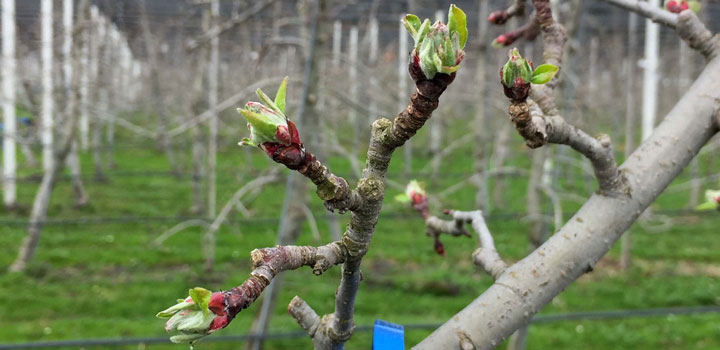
(196, 316)
(438, 47)
(517, 74)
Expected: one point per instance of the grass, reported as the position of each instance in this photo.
(100, 279)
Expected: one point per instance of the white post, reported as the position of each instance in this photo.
(372, 64)
(336, 44)
(650, 78)
(46, 131)
(212, 102)
(8, 103)
(354, 84)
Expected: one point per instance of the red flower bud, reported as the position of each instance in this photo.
(673, 7)
(438, 246)
(219, 322)
(498, 17)
(217, 303)
(684, 5)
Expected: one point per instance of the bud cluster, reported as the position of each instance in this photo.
(196, 316)
(712, 198)
(518, 73)
(438, 47)
(271, 131)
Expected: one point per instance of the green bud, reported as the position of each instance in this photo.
(712, 198)
(267, 121)
(438, 47)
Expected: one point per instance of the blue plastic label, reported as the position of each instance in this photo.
(388, 336)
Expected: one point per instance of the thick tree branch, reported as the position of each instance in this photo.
(531, 283)
(645, 9)
(696, 35)
(687, 24)
(538, 130)
(268, 262)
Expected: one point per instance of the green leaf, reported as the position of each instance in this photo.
(543, 73)
(449, 54)
(266, 100)
(201, 297)
(186, 338)
(426, 59)
(247, 142)
(169, 312)
(412, 24)
(507, 73)
(450, 69)
(424, 28)
(458, 23)
(402, 198)
(437, 61)
(707, 206)
(525, 71)
(261, 126)
(280, 96)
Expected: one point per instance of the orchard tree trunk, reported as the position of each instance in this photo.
(70, 87)
(65, 142)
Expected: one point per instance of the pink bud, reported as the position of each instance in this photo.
(683, 5)
(497, 17)
(438, 246)
(673, 7)
(294, 136)
(519, 82)
(716, 199)
(218, 322)
(282, 134)
(217, 303)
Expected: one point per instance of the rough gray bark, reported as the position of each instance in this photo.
(531, 283)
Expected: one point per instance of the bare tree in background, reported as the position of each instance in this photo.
(62, 145)
(10, 132)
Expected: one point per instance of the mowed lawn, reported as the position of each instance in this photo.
(100, 278)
